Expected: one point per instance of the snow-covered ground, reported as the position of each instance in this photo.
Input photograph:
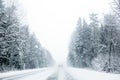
(11, 73)
(83, 74)
(34, 74)
(58, 73)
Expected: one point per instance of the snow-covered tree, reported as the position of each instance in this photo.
(116, 7)
(19, 49)
(94, 25)
(10, 28)
(79, 50)
(96, 47)
(110, 39)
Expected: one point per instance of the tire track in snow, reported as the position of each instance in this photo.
(54, 76)
(60, 74)
(68, 76)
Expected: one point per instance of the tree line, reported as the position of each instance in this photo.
(19, 49)
(96, 45)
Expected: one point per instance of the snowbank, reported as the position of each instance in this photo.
(12, 73)
(81, 74)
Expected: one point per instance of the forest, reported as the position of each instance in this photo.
(95, 44)
(19, 48)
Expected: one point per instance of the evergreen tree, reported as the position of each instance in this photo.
(18, 48)
(110, 39)
(80, 47)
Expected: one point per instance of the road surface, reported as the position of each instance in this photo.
(56, 73)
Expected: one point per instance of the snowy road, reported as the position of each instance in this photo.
(58, 73)
(37, 74)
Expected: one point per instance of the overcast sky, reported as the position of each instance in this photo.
(53, 21)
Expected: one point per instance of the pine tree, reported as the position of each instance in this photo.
(110, 39)
(80, 46)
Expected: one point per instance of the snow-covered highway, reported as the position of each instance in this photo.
(36, 74)
(58, 73)
(55, 73)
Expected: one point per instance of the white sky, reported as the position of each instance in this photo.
(53, 21)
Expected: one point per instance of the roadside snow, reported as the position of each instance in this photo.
(12, 73)
(82, 74)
